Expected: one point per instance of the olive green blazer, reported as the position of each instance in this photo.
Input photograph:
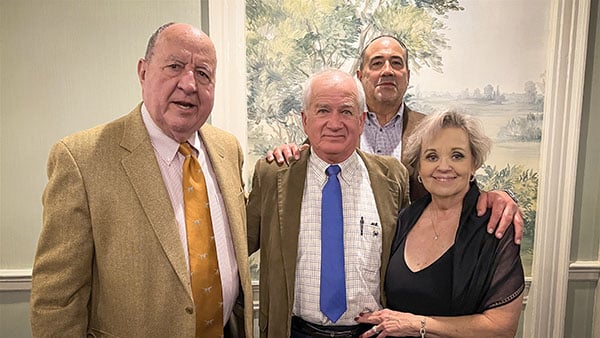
(273, 211)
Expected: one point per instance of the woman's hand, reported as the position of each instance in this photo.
(388, 323)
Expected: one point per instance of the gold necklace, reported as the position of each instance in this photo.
(435, 238)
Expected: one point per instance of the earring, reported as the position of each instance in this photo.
(419, 179)
(472, 178)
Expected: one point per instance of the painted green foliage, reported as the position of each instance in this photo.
(288, 40)
(523, 182)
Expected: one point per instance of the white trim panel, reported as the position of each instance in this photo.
(15, 280)
(228, 32)
(584, 271)
(567, 45)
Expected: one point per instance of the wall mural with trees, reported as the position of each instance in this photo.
(485, 58)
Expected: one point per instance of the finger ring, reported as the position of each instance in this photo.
(374, 329)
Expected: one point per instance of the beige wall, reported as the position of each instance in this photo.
(64, 66)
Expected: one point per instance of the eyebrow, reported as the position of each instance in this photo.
(203, 66)
(453, 149)
(175, 59)
(377, 57)
(344, 105)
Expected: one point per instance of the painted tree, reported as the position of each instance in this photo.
(524, 183)
(488, 92)
(530, 92)
(287, 40)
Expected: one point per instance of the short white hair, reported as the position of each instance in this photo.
(307, 88)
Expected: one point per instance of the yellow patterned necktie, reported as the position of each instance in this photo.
(204, 267)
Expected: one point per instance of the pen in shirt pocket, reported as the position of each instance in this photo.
(362, 225)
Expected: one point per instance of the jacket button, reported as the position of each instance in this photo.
(189, 310)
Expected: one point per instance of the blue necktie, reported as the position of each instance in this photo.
(333, 280)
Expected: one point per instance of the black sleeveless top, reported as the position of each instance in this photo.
(479, 272)
(426, 292)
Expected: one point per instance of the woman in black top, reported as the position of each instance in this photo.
(446, 276)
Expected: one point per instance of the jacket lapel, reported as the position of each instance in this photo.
(145, 177)
(290, 187)
(225, 167)
(386, 193)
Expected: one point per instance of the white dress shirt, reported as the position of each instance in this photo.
(170, 162)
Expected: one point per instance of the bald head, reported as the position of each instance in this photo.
(178, 77)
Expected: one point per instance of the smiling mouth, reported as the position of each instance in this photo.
(444, 179)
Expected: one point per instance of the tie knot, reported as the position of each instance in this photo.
(333, 170)
(185, 149)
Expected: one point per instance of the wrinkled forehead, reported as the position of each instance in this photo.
(335, 100)
(340, 100)
(384, 47)
(387, 46)
(186, 41)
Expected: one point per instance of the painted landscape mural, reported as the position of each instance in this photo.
(484, 58)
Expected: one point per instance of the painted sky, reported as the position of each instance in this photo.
(500, 42)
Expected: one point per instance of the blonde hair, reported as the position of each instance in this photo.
(432, 124)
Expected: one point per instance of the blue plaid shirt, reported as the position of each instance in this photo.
(383, 140)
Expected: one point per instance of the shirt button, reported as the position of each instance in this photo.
(189, 310)
(380, 129)
(378, 151)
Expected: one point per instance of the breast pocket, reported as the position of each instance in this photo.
(370, 245)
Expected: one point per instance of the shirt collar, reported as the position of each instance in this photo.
(398, 117)
(349, 167)
(165, 147)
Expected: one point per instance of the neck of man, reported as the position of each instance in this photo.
(385, 111)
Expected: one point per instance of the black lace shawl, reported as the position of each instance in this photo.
(487, 272)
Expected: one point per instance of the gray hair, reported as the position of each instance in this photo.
(432, 124)
(152, 40)
(307, 88)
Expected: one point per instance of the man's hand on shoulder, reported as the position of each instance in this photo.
(505, 211)
(285, 152)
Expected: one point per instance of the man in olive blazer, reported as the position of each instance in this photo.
(111, 261)
(275, 202)
(274, 223)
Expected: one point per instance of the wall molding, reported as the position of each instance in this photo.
(20, 279)
(15, 280)
(584, 271)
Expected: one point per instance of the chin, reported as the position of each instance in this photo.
(448, 191)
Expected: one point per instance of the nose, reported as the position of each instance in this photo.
(187, 82)
(387, 68)
(334, 121)
(444, 164)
